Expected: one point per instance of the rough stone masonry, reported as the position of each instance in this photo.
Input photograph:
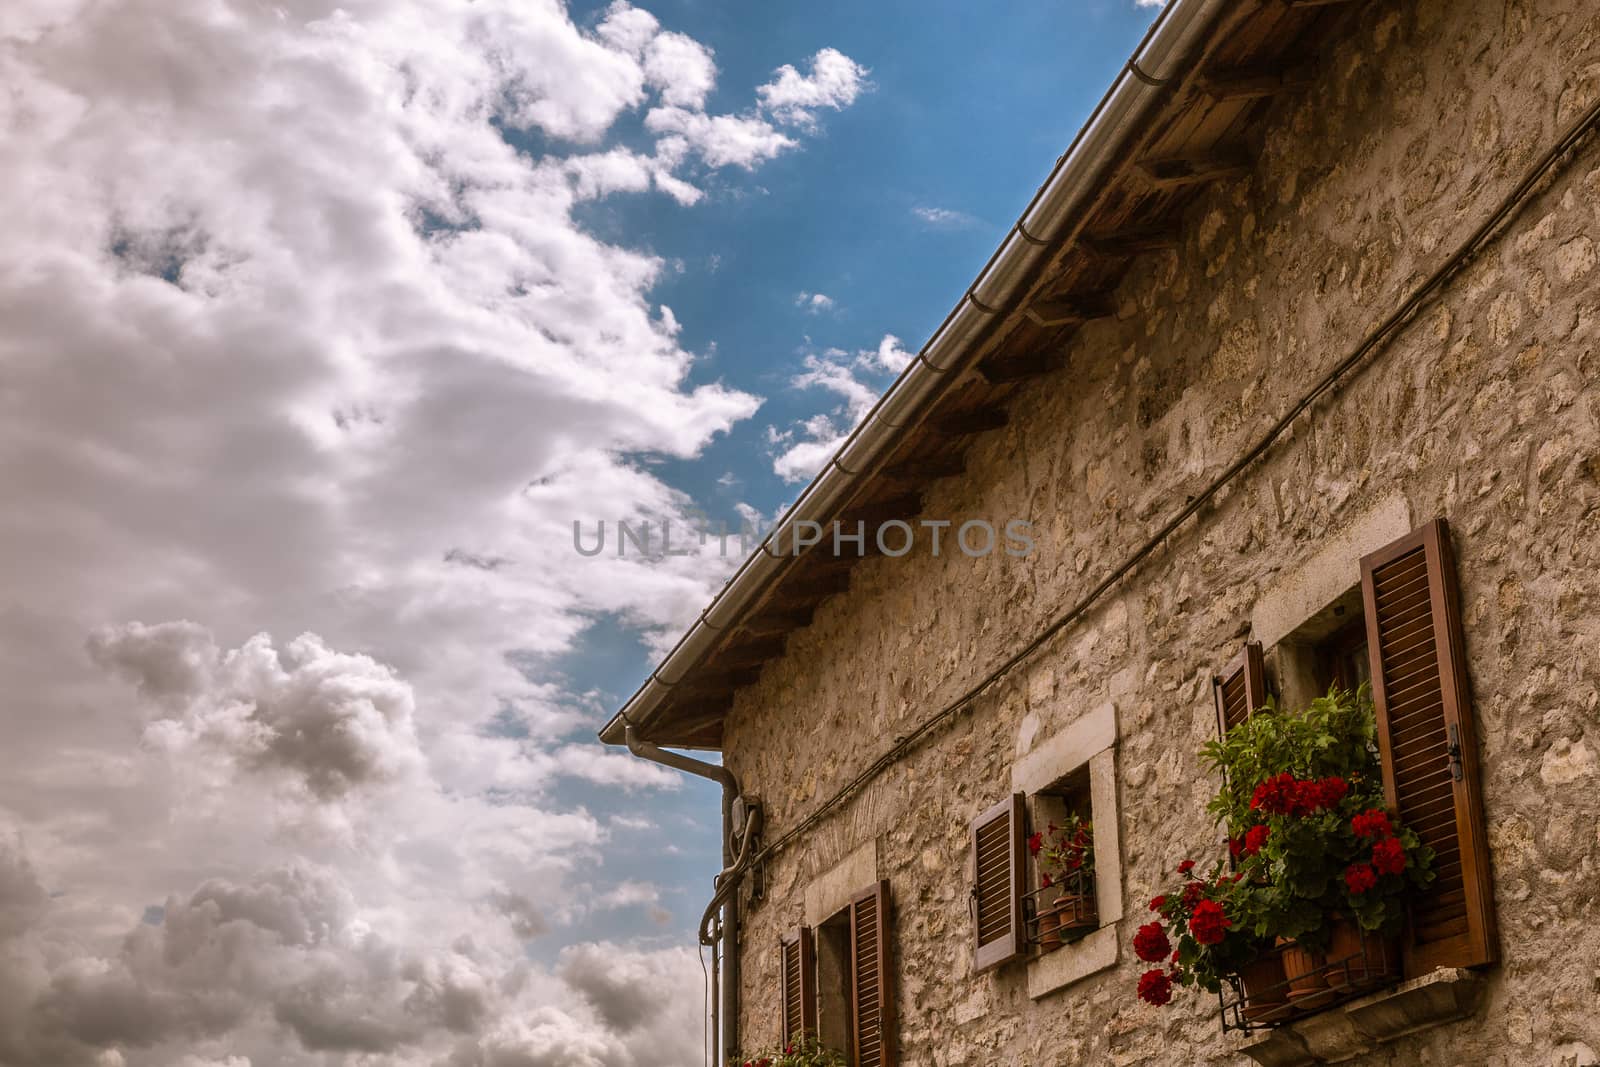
(1486, 409)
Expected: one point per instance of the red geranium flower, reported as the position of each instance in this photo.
(1235, 846)
(1374, 822)
(1210, 923)
(1045, 882)
(1150, 943)
(1186, 866)
(1035, 843)
(1389, 856)
(1192, 894)
(1331, 791)
(1256, 838)
(1156, 903)
(1360, 878)
(1155, 987)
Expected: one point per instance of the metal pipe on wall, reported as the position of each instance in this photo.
(724, 971)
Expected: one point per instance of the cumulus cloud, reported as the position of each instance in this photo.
(856, 380)
(814, 303)
(331, 721)
(834, 83)
(304, 337)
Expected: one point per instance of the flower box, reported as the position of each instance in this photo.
(1355, 964)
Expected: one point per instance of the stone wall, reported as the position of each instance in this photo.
(1486, 410)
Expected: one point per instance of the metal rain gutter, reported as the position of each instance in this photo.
(1076, 176)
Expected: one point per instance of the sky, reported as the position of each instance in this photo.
(320, 326)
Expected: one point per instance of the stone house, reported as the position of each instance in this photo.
(1291, 370)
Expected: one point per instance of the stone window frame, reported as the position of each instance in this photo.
(1089, 741)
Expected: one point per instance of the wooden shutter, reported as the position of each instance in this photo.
(1429, 747)
(798, 960)
(872, 1031)
(1240, 689)
(998, 869)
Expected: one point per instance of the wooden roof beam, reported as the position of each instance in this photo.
(878, 512)
(1018, 368)
(927, 468)
(1132, 241)
(712, 685)
(768, 623)
(966, 423)
(806, 592)
(750, 653)
(1175, 172)
(1253, 83)
(1071, 309)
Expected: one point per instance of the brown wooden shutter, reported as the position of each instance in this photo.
(1429, 747)
(998, 869)
(872, 1030)
(1240, 689)
(798, 959)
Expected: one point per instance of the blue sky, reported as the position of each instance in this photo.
(966, 116)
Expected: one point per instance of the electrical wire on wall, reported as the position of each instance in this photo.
(1482, 237)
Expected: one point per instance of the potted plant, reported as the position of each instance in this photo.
(807, 1052)
(1302, 804)
(1064, 856)
(1204, 933)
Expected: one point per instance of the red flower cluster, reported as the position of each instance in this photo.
(1155, 987)
(1209, 923)
(1192, 894)
(1374, 822)
(1360, 878)
(1157, 902)
(1035, 843)
(1186, 866)
(1389, 856)
(1284, 794)
(1150, 943)
(1255, 839)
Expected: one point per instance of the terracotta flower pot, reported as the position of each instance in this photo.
(1077, 912)
(1304, 968)
(1355, 960)
(1266, 996)
(1049, 929)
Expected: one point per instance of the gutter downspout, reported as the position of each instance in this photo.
(725, 993)
(1157, 62)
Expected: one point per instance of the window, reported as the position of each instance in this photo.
(837, 981)
(1073, 772)
(1399, 629)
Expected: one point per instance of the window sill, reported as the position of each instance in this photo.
(1073, 962)
(1360, 1026)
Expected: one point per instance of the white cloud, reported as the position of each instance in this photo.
(721, 140)
(297, 342)
(943, 218)
(682, 68)
(1149, 3)
(892, 355)
(834, 82)
(857, 380)
(814, 303)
